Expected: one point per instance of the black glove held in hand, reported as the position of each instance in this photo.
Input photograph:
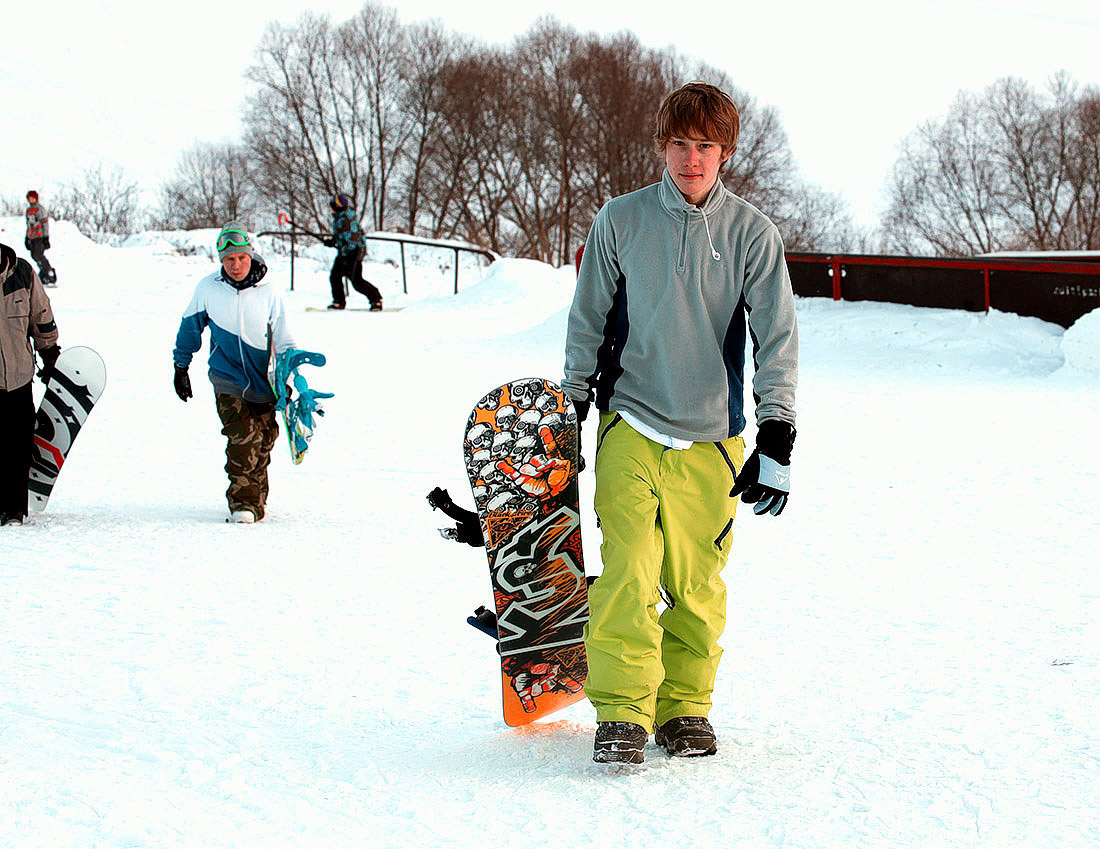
(182, 384)
(765, 479)
(49, 360)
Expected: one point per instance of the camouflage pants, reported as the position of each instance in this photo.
(250, 430)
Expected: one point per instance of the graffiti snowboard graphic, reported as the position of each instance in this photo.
(521, 458)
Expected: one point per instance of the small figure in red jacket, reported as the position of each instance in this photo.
(38, 238)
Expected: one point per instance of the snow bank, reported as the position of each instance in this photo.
(1081, 343)
(511, 281)
(173, 242)
(871, 336)
(13, 229)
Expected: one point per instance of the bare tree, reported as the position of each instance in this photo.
(944, 187)
(1012, 168)
(464, 177)
(212, 185)
(431, 52)
(1084, 173)
(623, 84)
(375, 47)
(546, 139)
(308, 119)
(762, 170)
(811, 219)
(13, 205)
(101, 203)
(1030, 153)
(512, 148)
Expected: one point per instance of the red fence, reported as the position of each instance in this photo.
(1058, 289)
(1055, 288)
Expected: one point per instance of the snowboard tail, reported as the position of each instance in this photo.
(354, 309)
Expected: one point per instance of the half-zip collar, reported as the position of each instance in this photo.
(674, 203)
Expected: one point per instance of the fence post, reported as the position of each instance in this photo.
(285, 219)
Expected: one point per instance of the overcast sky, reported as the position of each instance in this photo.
(136, 83)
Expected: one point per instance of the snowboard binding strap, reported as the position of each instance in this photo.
(467, 527)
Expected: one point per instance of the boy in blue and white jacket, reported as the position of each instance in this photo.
(247, 320)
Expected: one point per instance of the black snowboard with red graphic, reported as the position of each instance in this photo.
(522, 460)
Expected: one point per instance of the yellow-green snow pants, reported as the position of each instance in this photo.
(666, 517)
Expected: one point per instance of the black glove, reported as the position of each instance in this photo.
(182, 384)
(582, 408)
(765, 479)
(46, 243)
(467, 525)
(49, 360)
(27, 243)
(328, 243)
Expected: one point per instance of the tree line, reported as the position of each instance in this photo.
(1012, 168)
(511, 148)
(514, 148)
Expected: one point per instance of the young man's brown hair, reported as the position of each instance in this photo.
(698, 110)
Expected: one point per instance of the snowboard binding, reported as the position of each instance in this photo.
(467, 528)
(295, 400)
(484, 620)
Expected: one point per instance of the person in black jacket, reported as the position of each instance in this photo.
(25, 317)
(347, 238)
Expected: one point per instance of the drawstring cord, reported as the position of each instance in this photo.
(713, 251)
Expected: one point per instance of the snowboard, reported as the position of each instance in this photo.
(354, 309)
(294, 400)
(522, 461)
(73, 389)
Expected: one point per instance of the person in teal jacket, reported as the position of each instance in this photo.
(675, 280)
(347, 238)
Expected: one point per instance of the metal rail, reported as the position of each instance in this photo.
(410, 240)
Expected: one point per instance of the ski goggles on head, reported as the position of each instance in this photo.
(233, 238)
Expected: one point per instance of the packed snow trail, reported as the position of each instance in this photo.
(911, 656)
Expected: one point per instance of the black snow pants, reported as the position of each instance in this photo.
(17, 437)
(351, 268)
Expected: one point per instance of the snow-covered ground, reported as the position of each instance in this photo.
(912, 659)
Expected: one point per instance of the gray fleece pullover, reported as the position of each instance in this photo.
(658, 323)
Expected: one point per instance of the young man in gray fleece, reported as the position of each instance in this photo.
(675, 279)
